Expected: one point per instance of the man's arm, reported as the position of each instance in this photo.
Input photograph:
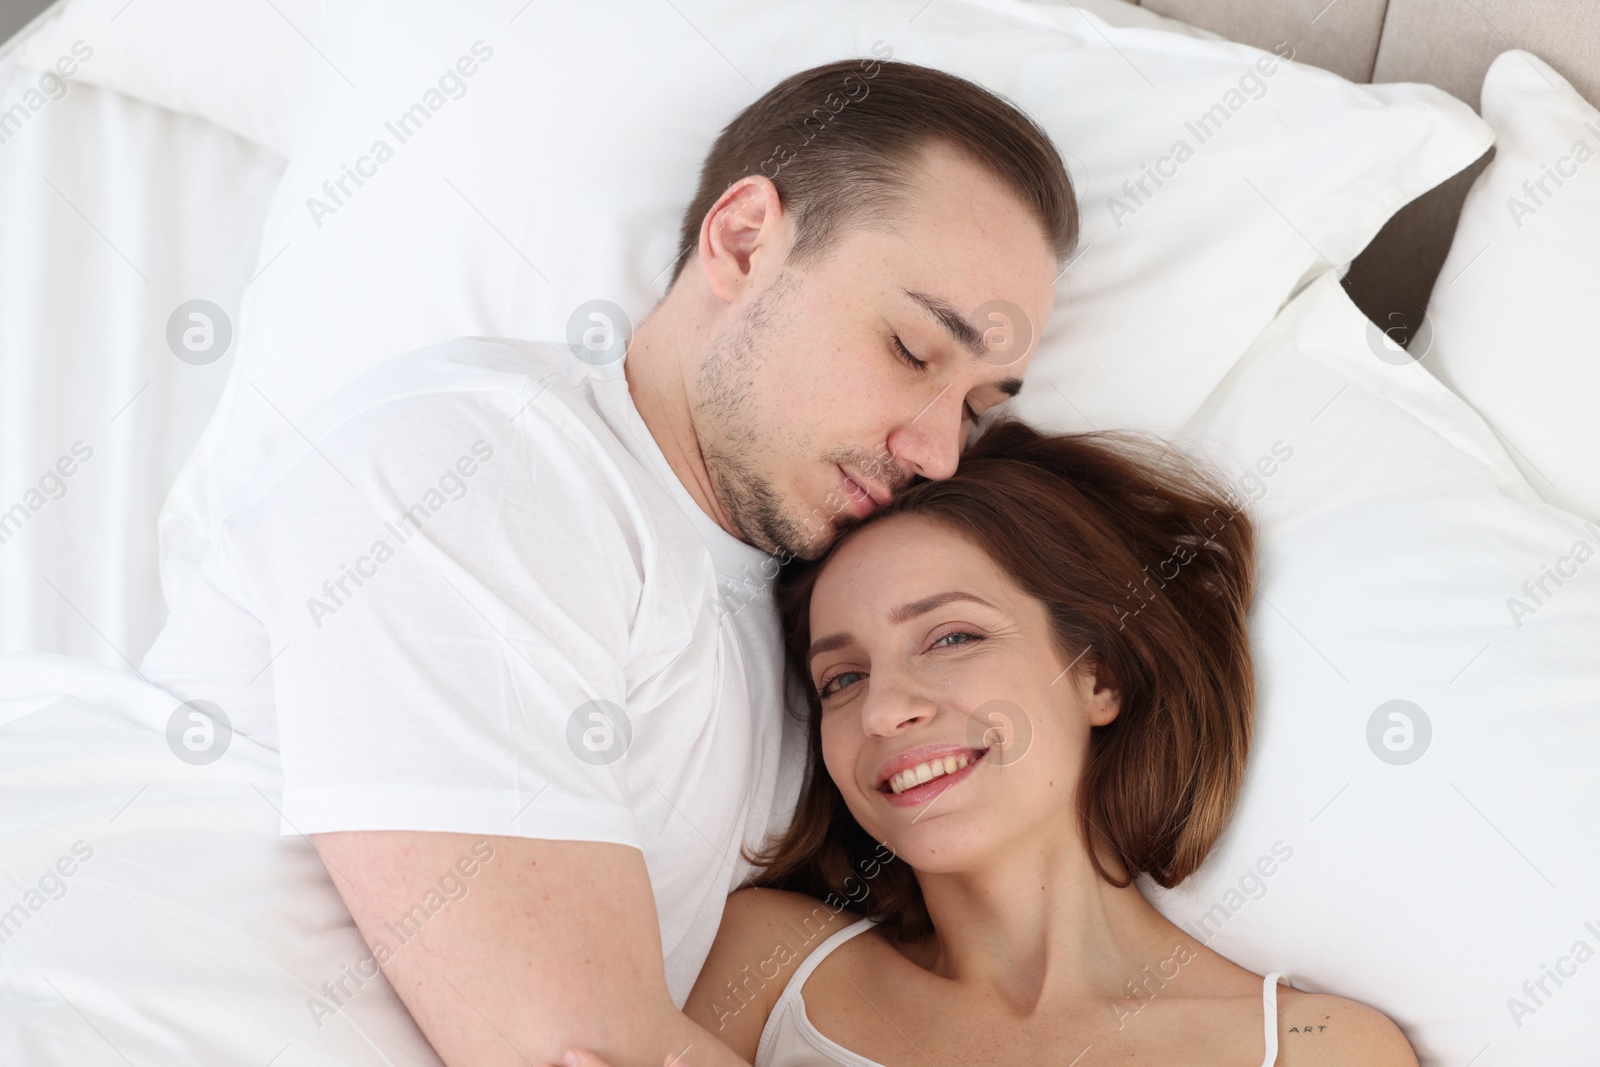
(554, 946)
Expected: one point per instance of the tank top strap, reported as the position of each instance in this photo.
(820, 953)
(1269, 1007)
(789, 1039)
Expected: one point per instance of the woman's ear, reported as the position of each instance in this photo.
(1102, 703)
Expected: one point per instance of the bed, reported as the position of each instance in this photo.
(1387, 472)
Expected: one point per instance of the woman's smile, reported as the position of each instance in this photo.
(927, 779)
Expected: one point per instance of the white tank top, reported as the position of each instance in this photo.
(789, 1039)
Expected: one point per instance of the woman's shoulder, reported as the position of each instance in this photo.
(768, 909)
(765, 936)
(1316, 1028)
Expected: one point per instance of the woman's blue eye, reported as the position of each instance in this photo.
(827, 687)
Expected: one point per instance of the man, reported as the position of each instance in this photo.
(480, 608)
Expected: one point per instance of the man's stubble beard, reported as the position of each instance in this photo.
(735, 447)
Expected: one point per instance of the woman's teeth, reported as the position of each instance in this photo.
(926, 772)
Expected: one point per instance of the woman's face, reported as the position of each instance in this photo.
(950, 723)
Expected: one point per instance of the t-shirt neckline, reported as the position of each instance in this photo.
(730, 554)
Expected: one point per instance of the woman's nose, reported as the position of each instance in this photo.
(895, 700)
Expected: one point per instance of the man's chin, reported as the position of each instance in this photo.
(821, 535)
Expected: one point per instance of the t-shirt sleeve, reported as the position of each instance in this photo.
(448, 582)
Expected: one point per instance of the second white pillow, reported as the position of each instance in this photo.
(1513, 309)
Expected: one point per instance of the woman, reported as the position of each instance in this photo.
(1027, 685)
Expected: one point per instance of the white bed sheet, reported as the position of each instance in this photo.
(150, 911)
(112, 213)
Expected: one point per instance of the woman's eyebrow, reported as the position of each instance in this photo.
(904, 613)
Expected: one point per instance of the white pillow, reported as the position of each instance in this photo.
(229, 62)
(557, 173)
(1128, 15)
(1513, 310)
(243, 64)
(1396, 540)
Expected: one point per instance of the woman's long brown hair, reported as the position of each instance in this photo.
(1145, 563)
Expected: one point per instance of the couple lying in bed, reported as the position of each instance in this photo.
(1025, 659)
(1010, 715)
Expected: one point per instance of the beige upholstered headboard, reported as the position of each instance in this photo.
(1447, 43)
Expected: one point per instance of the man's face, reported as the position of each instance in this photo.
(806, 409)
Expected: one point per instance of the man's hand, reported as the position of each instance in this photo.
(554, 945)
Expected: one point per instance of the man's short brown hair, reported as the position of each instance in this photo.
(839, 141)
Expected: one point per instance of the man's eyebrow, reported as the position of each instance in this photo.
(904, 613)
(965, 334)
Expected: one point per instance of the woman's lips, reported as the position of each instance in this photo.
(921, 794)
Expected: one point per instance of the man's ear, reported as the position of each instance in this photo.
(745, 237)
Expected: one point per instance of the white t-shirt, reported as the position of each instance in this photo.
(433, 598)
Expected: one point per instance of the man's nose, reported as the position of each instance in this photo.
(931, 440)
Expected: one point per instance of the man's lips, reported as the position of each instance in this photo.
(880, 494)
(859, 499)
